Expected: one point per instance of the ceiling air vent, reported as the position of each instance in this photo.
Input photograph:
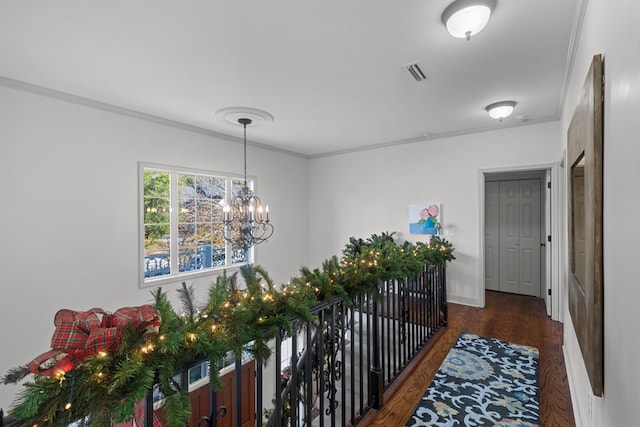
(417, 72)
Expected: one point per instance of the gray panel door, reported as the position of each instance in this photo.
(510, 236)
(545, 256)
(519, 242)
(530, 237)
(492, 236)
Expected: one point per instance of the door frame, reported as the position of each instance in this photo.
(554, 211)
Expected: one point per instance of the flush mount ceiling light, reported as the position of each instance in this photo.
(465, 18)
(500, 110)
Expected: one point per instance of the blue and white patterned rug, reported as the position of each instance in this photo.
(483, 382)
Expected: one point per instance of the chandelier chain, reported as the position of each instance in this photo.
(245, 153)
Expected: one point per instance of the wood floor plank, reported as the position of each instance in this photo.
(515, 318)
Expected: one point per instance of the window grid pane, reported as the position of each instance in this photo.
(197, 220)
(238, 255)
(156, 209)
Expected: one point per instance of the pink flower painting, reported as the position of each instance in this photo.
(424, 219)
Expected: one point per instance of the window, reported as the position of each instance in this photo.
(198, 375)
(182, 223)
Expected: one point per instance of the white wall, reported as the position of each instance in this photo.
(69, 216)
(357, 194)
(610, 28)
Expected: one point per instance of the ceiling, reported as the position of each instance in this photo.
(330, 72)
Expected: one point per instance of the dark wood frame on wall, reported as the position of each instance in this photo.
(585, 176)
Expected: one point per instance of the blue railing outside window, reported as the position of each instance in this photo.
(157, 265)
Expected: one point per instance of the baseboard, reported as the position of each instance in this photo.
(455, 299)
(573, 391)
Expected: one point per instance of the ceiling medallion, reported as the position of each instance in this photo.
(231, 115)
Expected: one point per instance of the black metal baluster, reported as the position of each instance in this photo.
(308, 375)
(294, 379)
(443, 283)
(331, 395)
(376, 376)
(352, 358)
(428, 304)
(412, 325)
(369, 348)
(361, 354)
(259, 384)
(238, 374)
(148, 409)
(398, 349)
(424, 309)
(395, 321)
(435, 300)
(419, 303)
(386, 352)
(321, 364)
(403, 322)
(278, 410)
(343, 358)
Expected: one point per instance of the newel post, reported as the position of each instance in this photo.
(376, 374)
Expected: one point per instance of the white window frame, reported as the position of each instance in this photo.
(175, 275)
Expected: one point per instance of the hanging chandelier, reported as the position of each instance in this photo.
(246, 220)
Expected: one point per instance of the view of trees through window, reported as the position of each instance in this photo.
(183, 222)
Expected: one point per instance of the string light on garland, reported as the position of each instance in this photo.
(146, 349)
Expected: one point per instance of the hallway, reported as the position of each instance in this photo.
(509, 317)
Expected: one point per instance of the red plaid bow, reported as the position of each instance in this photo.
(81, 334)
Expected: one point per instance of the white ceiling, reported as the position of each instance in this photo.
(329, 71)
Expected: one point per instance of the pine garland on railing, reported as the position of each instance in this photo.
(107, 387)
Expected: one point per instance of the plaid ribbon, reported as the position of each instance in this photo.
(81, 334)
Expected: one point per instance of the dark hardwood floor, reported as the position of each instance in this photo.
(515, 318)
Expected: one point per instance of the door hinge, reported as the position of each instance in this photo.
(548, 238)
(549, 291)
(549, 184)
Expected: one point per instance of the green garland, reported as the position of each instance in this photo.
(104, 389)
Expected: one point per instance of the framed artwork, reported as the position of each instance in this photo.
(585, 177)
(424, 219)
